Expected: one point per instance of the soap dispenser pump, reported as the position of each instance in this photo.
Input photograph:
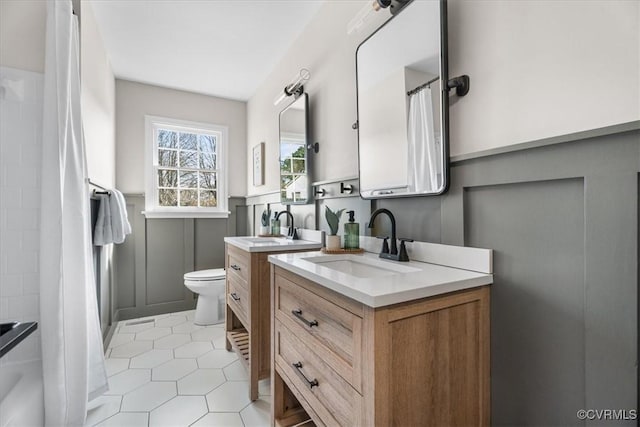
(351, 232)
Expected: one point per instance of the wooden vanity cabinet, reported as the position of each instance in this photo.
(248, 311)
(339, 362)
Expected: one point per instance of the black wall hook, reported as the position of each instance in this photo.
(346, 188)
(313, 146)
(461, 83)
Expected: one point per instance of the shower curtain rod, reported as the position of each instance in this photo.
(422, 86)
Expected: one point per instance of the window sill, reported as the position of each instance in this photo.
(159, 215)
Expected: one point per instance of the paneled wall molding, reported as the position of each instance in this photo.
(563, 219)
(153, 259)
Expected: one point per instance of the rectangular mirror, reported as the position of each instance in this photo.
(294, 161)
(402, 107)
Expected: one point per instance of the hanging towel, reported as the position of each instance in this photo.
(112, 224)
(119, 220)
(103, 232)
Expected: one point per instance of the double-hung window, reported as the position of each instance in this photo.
(293, 168)
(186, 169)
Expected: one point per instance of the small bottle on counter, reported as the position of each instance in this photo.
(351, 232)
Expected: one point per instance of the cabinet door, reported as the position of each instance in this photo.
(432, 367)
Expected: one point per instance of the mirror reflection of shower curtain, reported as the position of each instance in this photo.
(425, 163)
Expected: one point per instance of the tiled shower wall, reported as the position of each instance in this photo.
(21, 101)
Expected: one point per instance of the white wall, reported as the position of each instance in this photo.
(542, 68)
(384, 110)
(21, 94)
(98, 103)
(135, 100)
(22, 46)
(22, 29)
(538, 69)
(326, 50)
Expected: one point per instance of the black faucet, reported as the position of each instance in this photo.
(393, 252)
(293, 234)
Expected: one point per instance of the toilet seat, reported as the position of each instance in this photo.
(205, 275)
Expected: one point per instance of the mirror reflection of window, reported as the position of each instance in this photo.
(294, 167)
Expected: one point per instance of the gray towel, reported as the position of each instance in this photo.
(103, 234)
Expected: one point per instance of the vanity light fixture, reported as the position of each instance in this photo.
(295, 88)
(367, 11)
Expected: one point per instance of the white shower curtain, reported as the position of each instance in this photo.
(425, 154)
(72, 351)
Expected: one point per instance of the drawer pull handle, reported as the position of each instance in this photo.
(235, 296)
(309, 323)
(311, 383)
(235, 267)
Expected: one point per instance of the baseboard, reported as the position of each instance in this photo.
(112, 328)
(154, 310)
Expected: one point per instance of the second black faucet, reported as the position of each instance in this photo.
(392, 254)
(293, 234)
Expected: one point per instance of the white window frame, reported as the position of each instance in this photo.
(295, 138)
(152, 209)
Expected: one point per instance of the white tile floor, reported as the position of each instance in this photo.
(166, 371)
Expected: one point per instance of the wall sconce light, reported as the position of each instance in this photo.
(366, 12)
(294, 88)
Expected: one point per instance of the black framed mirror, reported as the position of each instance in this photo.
(402, 101)
(294, 159)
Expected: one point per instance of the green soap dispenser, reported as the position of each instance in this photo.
(351, 232)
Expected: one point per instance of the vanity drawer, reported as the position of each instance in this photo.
(238, 262)
(332, 331)
(238, 298)
(332, 398)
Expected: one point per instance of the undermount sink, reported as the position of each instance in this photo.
(356, 266)
(261, 240)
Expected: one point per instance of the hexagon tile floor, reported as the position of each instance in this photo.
(166, 371)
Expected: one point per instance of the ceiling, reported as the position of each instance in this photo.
(223, 48)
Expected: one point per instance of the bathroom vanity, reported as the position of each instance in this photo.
(247, 318)
(358, 340)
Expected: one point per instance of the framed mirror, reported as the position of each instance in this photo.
(294, 160)
(403, 135)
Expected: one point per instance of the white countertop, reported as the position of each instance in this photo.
(270, 244)
(414, 280)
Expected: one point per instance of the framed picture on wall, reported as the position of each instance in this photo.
(258, 164)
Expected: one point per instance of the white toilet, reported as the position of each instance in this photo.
(209, 285)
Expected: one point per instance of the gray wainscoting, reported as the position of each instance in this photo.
(153, 259)
(563, 221)
(563, 218)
